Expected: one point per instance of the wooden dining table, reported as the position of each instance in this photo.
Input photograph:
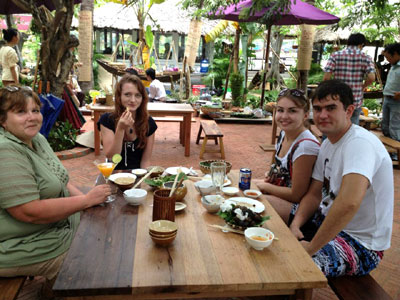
(113, 257)
(155, 109)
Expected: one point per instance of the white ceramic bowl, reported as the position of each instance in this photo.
(205, 187)
(258, 237)
(212, 203)
(230, 190)
(252, 193)
(139, 172)
(135, 196)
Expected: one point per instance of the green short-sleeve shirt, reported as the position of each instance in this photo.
(29, 174)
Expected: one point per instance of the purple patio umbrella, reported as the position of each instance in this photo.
(8, 7)
(298, 12)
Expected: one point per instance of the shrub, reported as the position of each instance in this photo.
(236, 83)
(62, 136)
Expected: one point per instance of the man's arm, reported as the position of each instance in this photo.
(308, 206)
(327, 76)
(343, 209)
(369, 80)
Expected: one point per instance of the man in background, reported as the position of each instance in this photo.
(391, 93)
(156, 89)
(355, 68)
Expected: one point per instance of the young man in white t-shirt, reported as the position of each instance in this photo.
(156, 88)
(345, 220)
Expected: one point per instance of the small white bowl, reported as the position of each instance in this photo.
(252, 193)
(255, 237)
(212, 203)
(139, 172)
(135, 196)
(205, 187)
(230, 190)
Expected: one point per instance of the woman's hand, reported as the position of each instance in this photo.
(126, 121)
(98, 194)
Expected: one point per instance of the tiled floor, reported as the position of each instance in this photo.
(242, 150)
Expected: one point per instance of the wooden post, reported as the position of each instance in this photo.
(265, 68)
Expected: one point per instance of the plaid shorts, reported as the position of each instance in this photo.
(343, 255)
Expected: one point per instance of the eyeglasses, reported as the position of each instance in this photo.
(293, 92)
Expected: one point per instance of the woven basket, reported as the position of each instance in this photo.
(205, 165)
(207, 110)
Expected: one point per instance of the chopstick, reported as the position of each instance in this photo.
(225, 228)
(174, 185)
(143, 178)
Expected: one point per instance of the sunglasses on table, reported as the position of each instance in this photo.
(293, 92)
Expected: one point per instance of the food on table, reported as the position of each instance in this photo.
(252, 194)
(267, 237)
(106, 169)
(160, 180)
(241, 216)
(116, 159)
(124, 180)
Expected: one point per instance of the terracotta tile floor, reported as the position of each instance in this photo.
(242, 150)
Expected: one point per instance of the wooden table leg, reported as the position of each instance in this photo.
(305, 294)
(187, 124)
(96, 117)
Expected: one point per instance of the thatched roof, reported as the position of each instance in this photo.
(168, 15)
(329, 35)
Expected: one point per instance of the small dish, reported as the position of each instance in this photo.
(135, 196)
(230, 190)
(252, 193)
(179, 206)
(227, 181)
(205, 187)
(258, 237)
(174, 170)
(212, 203)
(139, 172)
(124, 181)
(181, 191)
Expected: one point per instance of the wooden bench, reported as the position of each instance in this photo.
(357, 287)
(211, 131)
(10, 287)
(174, 119)
(390, 144)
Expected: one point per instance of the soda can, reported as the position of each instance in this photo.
(244, 179)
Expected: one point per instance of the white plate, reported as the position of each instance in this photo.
(119, 175)
(174, 170)
(179, 206)
(252, 204)
(226, 182)
(139, 172)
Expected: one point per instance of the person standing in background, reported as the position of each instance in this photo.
(355, 68)
(391, 93)
(9, 58)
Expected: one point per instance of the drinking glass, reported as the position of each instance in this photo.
(106, 168)
(218, 171)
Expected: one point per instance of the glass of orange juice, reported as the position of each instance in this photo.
(106, 169)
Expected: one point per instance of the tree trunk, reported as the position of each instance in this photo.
(87, 7)
(304, 53)
(236, 51)
(273, 74)
(56, 42)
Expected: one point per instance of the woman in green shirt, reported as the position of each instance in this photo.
(39, 208)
